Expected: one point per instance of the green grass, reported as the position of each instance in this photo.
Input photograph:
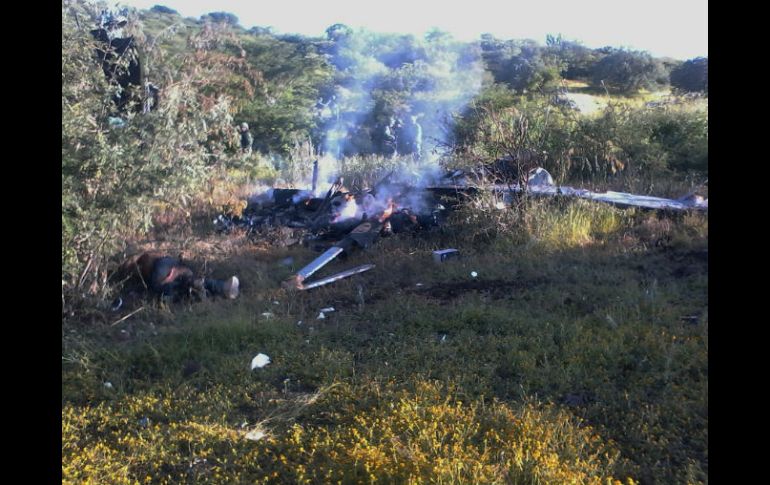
(565, 361)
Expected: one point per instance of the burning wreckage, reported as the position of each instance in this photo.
(344, 219)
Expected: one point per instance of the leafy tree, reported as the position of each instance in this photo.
(283, 109)
(220, 17)
(691, 76)
(577, 60)
(520, 63)
(116, 172)
(628, 71)
(338, 32)
(164, 10)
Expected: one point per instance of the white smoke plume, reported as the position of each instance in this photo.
(426, 79)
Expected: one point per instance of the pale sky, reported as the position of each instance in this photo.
(672, 28)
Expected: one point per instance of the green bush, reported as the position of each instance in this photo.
(117, 167)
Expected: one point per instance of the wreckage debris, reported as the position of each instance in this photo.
(117, 303)
(259, 361)
(344, 219)
(336, 277)
(445, 254)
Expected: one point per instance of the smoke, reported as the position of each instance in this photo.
(394, 79)
(415, 85)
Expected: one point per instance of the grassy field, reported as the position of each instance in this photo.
(578, 354)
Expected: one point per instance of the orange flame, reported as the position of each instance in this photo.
(388, 212)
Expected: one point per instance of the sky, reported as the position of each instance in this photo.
(664, 28)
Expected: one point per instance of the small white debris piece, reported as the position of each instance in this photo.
(267, 315)
(474, 274)
(276, 303)
(299, 323)
(327, 309)
(108, 385)
(260, 361)
(321, 316)
(443, 338)
(499, 206)
(255, 435)
(419, 284)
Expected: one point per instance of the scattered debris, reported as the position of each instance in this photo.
(539, 176)
(337, 277)
(117, 303)
(327, 309)
(344, 219)
(108, 385)
(474, 274)
(259, 361)
(267, 315)
(321, 316)
(116, 122)
(255, 434)
(126, 317)
(444, 254)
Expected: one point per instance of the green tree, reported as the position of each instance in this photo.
(577, 60)
(220, 17)
(628, 71)
(522, 64)
(116, 172)
(691, 76)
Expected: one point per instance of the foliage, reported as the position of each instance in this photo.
(521, 64)
(282, 113)
(583, 308)
(643, 141)
(627, 71)
(221, 17)
(164, 10)
(621, 139)
(578, 61)
(691, 76)
(117, 167)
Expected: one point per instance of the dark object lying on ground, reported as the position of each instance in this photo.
(170, 277)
